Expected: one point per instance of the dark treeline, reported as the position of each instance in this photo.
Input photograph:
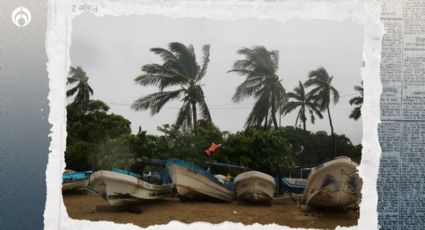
(98, 139)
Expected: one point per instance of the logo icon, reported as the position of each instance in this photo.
(21, 17)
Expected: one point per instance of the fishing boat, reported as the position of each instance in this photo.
(333, 184)
(194, 182)
(294, 185)
(120, 187)
(75, 180)
(254, 186)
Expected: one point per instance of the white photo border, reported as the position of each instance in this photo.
(60, 14)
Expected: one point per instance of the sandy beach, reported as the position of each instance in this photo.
(282, 212)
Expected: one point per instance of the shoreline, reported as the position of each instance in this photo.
(282, 212)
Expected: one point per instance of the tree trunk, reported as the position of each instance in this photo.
(296, 121)
(280, 120)
(194, 115)
(303, 117)
(274, 112)
(332, 132)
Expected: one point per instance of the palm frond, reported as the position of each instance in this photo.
(155, 101)
(275, 59)
(90, 89)
(166, 55)
(312, 117)
(76, 74)
(335, 95)
(242, 66)
(205, 61)
(247, 89)
(184, 117)
(356, 101)
(186, 56)
(290, 106)
(260, 110)
(161, 76)
(358, 88)
(205, 112)
(71, 91)
(356, 113)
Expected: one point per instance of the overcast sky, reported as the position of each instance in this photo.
(112, 50)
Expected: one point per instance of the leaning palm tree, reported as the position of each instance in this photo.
(179, 68)
(259, 67)
(305, 103)
(82, 89)
(322, 92)
(358, 102)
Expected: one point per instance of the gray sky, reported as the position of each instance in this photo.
(112, 50)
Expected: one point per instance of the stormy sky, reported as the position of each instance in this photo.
(112, 51)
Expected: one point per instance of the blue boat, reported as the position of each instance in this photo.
(294, 185)
(192, 181)
(125, 172)
(75, 180)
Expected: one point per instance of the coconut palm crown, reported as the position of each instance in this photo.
(82, 89)
(179, 70)
(299, 99)
(262, 83)
(358, 102)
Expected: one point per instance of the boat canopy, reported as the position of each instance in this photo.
(75, 176)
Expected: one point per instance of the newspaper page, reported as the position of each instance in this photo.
(401, 180)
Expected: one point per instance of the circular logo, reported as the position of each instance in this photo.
(21, 17)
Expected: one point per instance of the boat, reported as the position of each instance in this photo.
(294, 185)
(335, 183)
(121, 187)
(193, 182)
(72, 180)
(254, 186)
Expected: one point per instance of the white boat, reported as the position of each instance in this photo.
(333, 184)
(254, 186)
(75, 180)
(194, 182)
(121, 187)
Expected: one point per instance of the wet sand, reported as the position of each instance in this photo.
(283, 212)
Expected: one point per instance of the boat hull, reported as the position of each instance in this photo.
(75, 184)
(333, 184)
(254, 186)
(191, 182)
(72, 180)
(294, 185)
(121, 189)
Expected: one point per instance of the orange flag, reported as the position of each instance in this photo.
(212, 149)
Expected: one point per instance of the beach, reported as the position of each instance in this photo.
(282, 212)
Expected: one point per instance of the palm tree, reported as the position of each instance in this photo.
(82, 89)
(322, 92)
(82, 99)
(358, 101)
(179, 68)
(260, 66)
(304, 102)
